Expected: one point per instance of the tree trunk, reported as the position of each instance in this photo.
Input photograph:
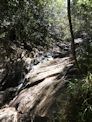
(73, 52)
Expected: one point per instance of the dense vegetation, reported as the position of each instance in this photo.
(29, 24)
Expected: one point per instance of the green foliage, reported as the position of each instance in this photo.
(81, 11)
(84, 53)
(80, 100)
(31, 21)
(76, 103)
(38, 22)
(85, 2)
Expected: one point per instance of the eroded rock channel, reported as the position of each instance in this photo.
(29, 93)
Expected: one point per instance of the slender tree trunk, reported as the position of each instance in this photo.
(72, 34)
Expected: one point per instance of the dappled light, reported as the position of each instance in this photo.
(46, 61)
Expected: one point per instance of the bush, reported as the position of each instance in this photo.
(76, 105)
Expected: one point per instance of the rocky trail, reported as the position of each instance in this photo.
(32, 97)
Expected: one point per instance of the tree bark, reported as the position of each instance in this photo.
(73, 52)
